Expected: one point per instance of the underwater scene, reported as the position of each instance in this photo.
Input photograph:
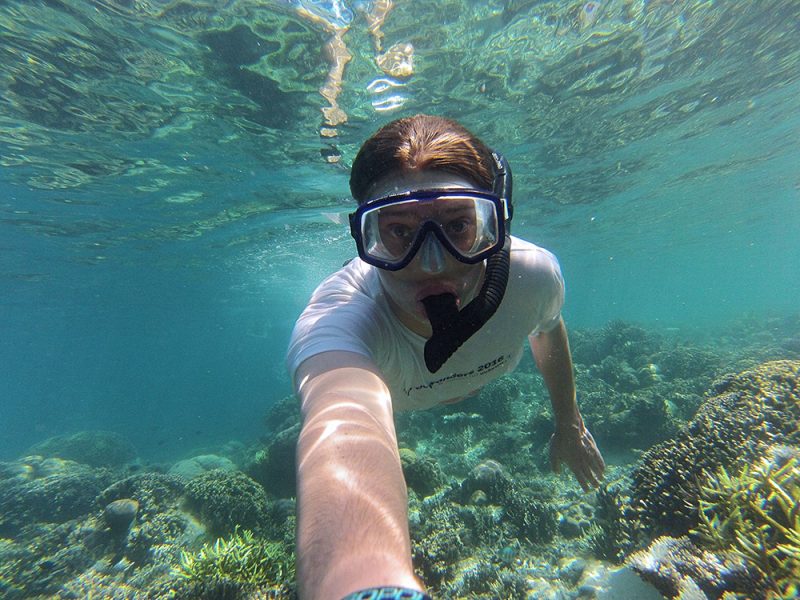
(174, 186)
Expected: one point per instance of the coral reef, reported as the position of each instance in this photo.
(241, 563)
(197, 465)
(422, 473)
(225, 501)
(440, 537)
(615, 531)
(94, 448)
(119, 515)
(534, 520)
(497, 402)
(486, 579)
(155, 492)
(47, 490)
(489, 477)
(679, 569)
(282, 415)
(160, 523)
(754, 516)
(274, 465)
(487, 518)
(747, 413)
(624, 341)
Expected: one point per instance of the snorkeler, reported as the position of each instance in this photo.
(437, 305)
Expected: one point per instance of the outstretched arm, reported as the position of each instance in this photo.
(352, 515)
(571, 443)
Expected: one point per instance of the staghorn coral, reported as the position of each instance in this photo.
(747, 413)
(755, 516)
(242, 562)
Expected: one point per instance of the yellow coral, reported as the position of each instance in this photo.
(755, 514)
(243, 558)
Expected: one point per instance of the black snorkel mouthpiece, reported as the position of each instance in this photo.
(451, 327)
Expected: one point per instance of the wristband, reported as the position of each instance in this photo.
(387, 593)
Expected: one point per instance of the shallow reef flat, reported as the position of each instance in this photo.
(700, 497)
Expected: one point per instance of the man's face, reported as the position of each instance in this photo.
(433, 270)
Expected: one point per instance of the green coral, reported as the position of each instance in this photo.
(241, 559)
(755, 515)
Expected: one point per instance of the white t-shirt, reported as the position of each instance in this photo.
(349, 311)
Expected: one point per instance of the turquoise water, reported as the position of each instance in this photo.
(174, 184)
(167, 203)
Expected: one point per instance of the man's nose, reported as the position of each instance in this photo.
(432, 258)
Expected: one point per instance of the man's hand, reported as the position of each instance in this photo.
(575, 446)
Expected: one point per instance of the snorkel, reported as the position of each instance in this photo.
(452, 327)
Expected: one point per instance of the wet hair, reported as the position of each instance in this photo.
(422, 142)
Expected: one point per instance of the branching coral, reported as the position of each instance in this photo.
(755, 515)
(242, 559)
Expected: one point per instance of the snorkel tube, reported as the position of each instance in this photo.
(451, 327)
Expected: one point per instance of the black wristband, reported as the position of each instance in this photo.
(387, 593)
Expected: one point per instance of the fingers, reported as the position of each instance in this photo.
(586, 476)
(598, 464)
(583, 459)
(593, 477)
(589, 465)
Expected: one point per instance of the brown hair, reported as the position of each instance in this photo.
(421, 142)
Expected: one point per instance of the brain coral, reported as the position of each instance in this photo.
(226, 500)
(743, 415)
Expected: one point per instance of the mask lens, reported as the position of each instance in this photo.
(389, 231)
(467, 224)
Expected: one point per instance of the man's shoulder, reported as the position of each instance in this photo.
(355, 278)
(528, 256)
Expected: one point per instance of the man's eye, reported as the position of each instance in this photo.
(458, 226)
(399, 231)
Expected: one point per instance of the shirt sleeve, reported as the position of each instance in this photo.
(336, 318)
(544, 284)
